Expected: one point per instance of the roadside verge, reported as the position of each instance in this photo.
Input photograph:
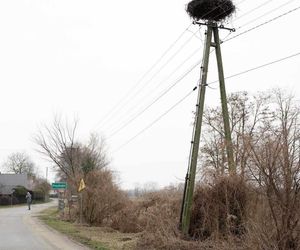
(100, 238)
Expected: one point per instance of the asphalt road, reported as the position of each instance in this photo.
(20, 229)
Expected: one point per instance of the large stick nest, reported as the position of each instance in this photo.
(211, 10)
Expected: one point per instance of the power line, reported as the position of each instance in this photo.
(181, 100)
(254, 9)
(220, 5)
(266, 13)
(156, 120)
(224, 10)
(155, 100)
(259, 67)
(133, 96)
(264, 23)
(158, 98)
(128, 122)
(170, 59)
(241, 2)
(173, 85)
(273, 19)
(143, 76)
(109, 114)
(170, 75)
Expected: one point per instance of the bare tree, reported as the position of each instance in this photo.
(266, 139)
(93, 155)
(73, 160)
(275, 163)
(246, 114)
(57, 142)
(89, 157)
(19, 163)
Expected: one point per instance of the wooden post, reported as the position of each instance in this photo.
(190, 180)
(228, 141)
(81, 207)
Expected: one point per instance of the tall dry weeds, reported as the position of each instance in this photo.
(220, 210)
(102, 198)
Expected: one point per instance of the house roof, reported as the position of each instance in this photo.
(9, 181)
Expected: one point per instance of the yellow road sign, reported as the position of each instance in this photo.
(81, 185)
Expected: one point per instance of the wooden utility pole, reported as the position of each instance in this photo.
(190, 178)
(185, 216)
(228, 141)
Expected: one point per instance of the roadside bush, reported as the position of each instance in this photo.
(38, 195)
(155, 215)
(146, 211)
(6, 200)
(262, 230)
(218, 217)
(20, 193)
(101, 198)
(127, 219)
(41, 189)
(220, 210)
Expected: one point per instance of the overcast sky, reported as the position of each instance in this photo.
(82, 58)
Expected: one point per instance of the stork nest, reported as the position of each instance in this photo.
(211, 10)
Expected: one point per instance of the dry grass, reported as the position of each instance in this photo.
(111, 238)
(229, 214)
(226, 215)
(140, 214)
(156, 216)
(95, 237)
(102, 197)
(218, 218)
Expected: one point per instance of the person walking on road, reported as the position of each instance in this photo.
(28, 198)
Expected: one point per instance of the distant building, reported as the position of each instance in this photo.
(9, 181)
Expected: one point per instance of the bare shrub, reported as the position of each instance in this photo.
(138, 214)
(160, 218)
(127, 219)
(102, 197)
(258, 210)
(219, 210)
(274, 163)
(156, 216)
(265, 133)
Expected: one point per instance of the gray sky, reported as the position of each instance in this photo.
(80, 58)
